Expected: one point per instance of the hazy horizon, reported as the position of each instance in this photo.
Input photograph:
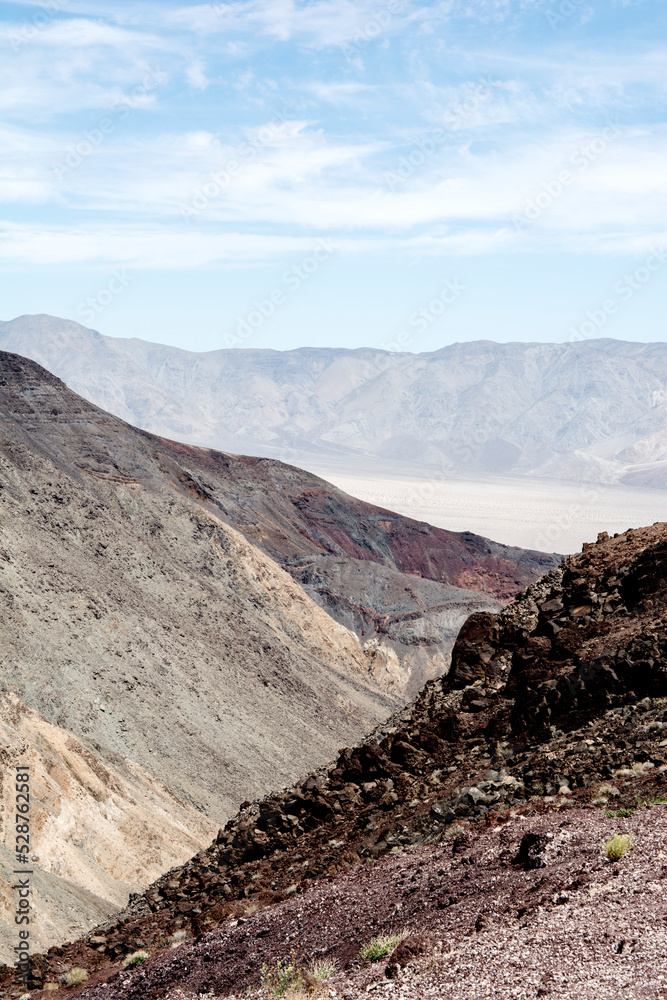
(387, 348)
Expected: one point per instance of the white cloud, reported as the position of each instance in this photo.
(196, 76)
(317, 22)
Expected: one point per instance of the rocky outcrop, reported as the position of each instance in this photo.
(489, 741)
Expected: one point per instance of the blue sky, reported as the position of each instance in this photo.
(383, 172)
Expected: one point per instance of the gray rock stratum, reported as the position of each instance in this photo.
(161, 652)
(97, 832)
(595, 410)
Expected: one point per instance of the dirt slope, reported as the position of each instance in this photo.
(557, 703)
(481, 922)
(97, 832)
(135, 617)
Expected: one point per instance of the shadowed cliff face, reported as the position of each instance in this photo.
(558, 701)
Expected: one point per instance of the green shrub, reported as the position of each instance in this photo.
(73, 978)
(280, 977)
(618, 845)
(379, 947)
(135, 959)
(619, 813)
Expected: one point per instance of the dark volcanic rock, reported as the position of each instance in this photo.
(439, 770)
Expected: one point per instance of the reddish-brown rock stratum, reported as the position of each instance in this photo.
(553, 720)
(156, 601)
(402, 586)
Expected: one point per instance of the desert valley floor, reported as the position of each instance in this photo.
(546, 514)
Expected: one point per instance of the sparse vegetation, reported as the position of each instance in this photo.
(73, 978)
(618, 845)
(379, 947)
(178, 937)
(134, 960)
(281, 977)
(619, 813)
(323, 968)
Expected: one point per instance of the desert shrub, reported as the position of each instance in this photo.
(73, 978)
(135, 959)
(323, 968)
(280, 977)
(618, 845)
(620, 813)
(379, 947)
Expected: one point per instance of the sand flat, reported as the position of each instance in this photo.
(550, 515)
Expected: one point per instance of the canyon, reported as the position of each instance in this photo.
(202, 625)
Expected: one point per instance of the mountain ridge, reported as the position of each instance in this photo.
(591, 410)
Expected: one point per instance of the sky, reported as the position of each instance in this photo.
(387, 173)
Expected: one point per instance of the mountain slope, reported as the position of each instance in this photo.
(331, 544)
(595, 410)
(139, 620)
(129, 594)
(97, 832)
(557, 703)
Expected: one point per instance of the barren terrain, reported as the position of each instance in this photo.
(475, 817)
(591, 411)
(220, 624)
(533, 513)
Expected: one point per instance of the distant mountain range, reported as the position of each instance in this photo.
(591, 411)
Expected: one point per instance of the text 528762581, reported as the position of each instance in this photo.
(22, 883)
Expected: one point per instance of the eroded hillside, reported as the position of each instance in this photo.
(145, 609)
(97, 831)
(556, 704)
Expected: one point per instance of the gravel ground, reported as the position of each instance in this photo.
(559, 920)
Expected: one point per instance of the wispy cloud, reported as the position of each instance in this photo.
(426, 124)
